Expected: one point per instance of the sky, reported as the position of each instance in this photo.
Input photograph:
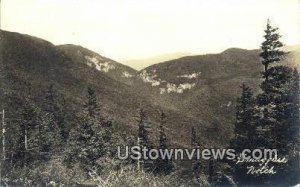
(137, 29)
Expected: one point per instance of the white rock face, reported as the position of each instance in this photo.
(148, 78)
(101, 66)
(190, 76)
(169, 87)
(126, 74)
(162, 90)
(176, 89)
(228, 104)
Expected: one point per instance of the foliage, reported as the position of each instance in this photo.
(271, 120)
(163, 166)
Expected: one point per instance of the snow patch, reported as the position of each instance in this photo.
(101, 66)
(190, 76)
(126, 74)
(148, 78)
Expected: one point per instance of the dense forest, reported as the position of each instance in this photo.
(50, 138)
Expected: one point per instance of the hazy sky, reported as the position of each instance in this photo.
(134, 29)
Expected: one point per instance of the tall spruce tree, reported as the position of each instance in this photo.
(196, 165)
(244, 130)
(194, 142)
(211, 172)
(271, 55)
(286, 128)
(163, 165)
(86, 141)
(143, 133)
(91, 104)
(51, 123)
(245, 136)
(293, 170)
(294, 97)
(271, 52)
(278, 104)
(144, 139)
(27, 141)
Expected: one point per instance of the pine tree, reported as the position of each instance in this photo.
(244, 130)
(292, 171)
(271, 120)
(61, 119)
(279, 104)
(196, 165)
(271, 52)
(282, 107)
(91, 105)
(25, 154)
(162, 134)
(52, 119)
(211, 171)
(87, 141)
(144, 139)
(194, 142)
(26, 141)
(143, 133)
(245, 136)
(271, 55)
(294, 97)
(164, 166)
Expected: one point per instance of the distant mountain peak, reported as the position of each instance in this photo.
(235, 50)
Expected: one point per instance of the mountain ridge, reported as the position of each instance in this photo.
(197, 91)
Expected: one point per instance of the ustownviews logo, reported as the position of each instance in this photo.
(143, 153)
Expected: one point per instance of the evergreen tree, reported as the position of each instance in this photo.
(144, 139)
(87, 141)
(24, 140)
(279, 106)
(25, 136)
(143, 133)
(51, 122)
(91, 105)
(271, 52)
(62, 121)
(211, 171)
(244, 130)
(196, 165)
(165, 165)
(54, 104)
(194, 142)
(294, 98)
(292, 171)
(272, 85)
(245, 136)
(271, 55)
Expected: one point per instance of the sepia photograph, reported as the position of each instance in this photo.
(140, 93)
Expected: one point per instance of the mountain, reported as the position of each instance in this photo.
(145, 62)
(195, 91)
(111, 68)
(206, 86)
(29, 65)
